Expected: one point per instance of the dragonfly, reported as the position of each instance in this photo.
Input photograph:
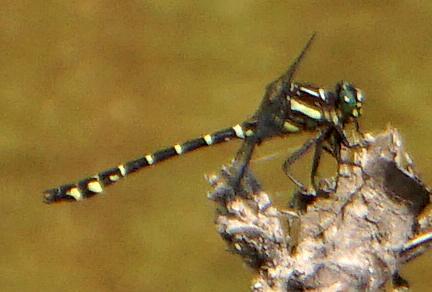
(287, 108)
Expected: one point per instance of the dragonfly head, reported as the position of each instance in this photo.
(349, 100)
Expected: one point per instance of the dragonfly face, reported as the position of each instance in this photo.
(349, 101)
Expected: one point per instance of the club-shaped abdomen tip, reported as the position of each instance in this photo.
(49, 196)
(56, 195)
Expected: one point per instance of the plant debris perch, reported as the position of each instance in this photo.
(357, 237)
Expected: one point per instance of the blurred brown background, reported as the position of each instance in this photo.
(85, 85)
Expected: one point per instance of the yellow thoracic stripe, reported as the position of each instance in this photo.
(306, 110)
(309, 91)
(335, 117)
(291, 127)
(322, 94)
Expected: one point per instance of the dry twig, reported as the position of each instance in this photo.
(355, 238)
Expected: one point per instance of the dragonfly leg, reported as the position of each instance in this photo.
(319, 147)
(317, 141)
(344, 139)
(293, 158)
(399, 283)
(315, 163)
(241, 161)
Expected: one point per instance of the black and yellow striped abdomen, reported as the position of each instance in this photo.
(93, 185)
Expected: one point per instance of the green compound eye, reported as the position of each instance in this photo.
(350, 99)
(360, 97)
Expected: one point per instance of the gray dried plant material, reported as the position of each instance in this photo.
(354, 238)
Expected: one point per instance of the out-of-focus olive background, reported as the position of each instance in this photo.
(85, 85)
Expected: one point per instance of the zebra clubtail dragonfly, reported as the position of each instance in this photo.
(287, 108)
